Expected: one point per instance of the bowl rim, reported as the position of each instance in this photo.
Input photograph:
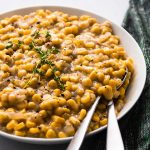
(64, 140)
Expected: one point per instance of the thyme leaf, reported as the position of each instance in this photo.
(44, 60)
(36, 70)
(9, 44)
(39, 51)
(27, 83)
(20, 43)
(57, 79)
(31, 45)
(36, 34)
(48, 35)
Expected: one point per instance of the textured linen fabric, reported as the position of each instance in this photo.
(137, 22)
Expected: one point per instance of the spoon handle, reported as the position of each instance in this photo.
(114, 139)
(80, 134)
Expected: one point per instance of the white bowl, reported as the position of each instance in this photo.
(132, 49)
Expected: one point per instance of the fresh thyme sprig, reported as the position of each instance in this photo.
(44, 60)
(52, 50)
(39, 51)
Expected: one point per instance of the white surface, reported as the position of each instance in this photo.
(111, 9)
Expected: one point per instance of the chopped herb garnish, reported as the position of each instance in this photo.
(36, 34)
(39, 51)
(62, 86)
(20, 43)
(57, 79)
(54, 70)
(47, 62)
(44, 60)
(31, 45)
(48, 35)
(27, 83)
(36, 70)
(9, 44)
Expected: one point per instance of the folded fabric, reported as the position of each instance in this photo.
(137, 23)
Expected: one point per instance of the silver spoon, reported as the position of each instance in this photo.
(114, 139)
